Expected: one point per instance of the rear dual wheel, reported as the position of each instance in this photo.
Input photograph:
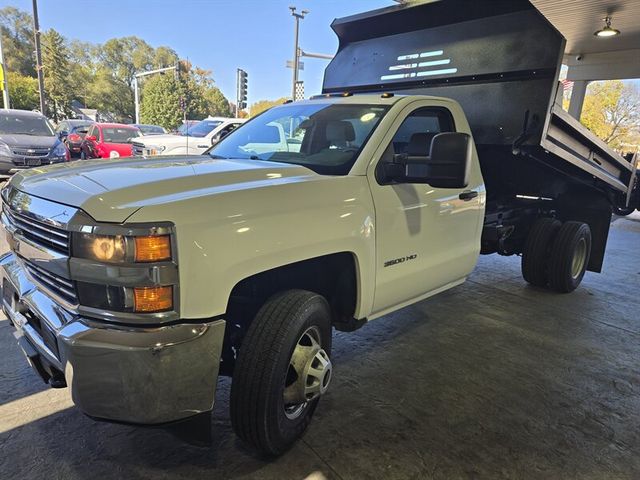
(556, 255)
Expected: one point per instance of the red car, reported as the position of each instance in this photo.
(108, 140)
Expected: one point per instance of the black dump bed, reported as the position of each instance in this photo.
(500, 60)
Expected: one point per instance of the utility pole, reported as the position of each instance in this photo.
(136, 92)
(36, 34)
(296, 51)
(3, 75)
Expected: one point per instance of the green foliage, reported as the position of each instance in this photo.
(100, 76)
(161, 96)
(17, 41)
(161, 102)
(611, 110)
(23, 91)
(218, 105)
(57, 85)
(263, 105)
(107, 93)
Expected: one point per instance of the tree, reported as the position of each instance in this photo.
(160, 103)
(17, 37)
(263, 105)
(23, 91)
(611, 110)
(217, 103)
(109, 94)
(57, 85)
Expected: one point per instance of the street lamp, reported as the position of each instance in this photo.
(296, 51)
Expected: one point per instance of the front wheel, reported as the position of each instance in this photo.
(282, 370)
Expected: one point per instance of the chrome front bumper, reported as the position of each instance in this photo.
(119, 373)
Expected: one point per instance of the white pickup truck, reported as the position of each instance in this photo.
(195, 141)
(136, 282)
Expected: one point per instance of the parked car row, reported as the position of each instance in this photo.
(194, 140)
(27, 139)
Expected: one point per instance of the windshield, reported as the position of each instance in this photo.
(326, 138)
(119, 135)
(203, 128)
(25, 125)
(151, 129)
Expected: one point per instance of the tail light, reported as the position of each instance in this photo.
(74, 137)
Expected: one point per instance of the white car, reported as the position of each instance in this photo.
(198, 138)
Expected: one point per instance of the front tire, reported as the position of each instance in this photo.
(282, 369)
(569, 256)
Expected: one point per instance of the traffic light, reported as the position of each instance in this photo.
(242, 89)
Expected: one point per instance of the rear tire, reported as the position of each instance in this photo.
(537, 249)
(263, 375)
(569, 256)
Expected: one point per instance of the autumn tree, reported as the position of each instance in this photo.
(611, 110)
(263, 105)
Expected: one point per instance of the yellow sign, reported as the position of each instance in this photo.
(1, 78)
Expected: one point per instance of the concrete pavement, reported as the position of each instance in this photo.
(494, 379)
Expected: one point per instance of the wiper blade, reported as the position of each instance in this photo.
(218, 157)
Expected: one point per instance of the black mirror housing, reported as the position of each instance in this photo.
(448, 164)
(449, 161)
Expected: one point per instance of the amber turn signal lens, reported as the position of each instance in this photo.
(153, 249)
(153, 299)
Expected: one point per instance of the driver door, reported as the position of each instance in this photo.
(426, 238)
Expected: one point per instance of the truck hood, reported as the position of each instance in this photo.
(112, 190)
(165, 140)
(17, 140)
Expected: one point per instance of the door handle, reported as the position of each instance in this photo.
(468, 195)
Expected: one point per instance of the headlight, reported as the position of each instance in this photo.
(130, 252)
(113, 154)
(5, 151)
(154, 150)
(60, 150)
(122, 249)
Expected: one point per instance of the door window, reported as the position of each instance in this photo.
(414, 136)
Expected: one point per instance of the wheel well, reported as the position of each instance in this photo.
(332, 276)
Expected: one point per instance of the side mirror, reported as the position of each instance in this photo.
(448, 164)
(216, 138)
(90, 138)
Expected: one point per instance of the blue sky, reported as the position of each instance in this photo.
(218, 35)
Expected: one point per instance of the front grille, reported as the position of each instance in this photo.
(138, 149)
(59, 286)
(46, 235)
(31, 152)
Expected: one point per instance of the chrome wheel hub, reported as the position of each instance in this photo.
(309, 373)
(579, 258)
